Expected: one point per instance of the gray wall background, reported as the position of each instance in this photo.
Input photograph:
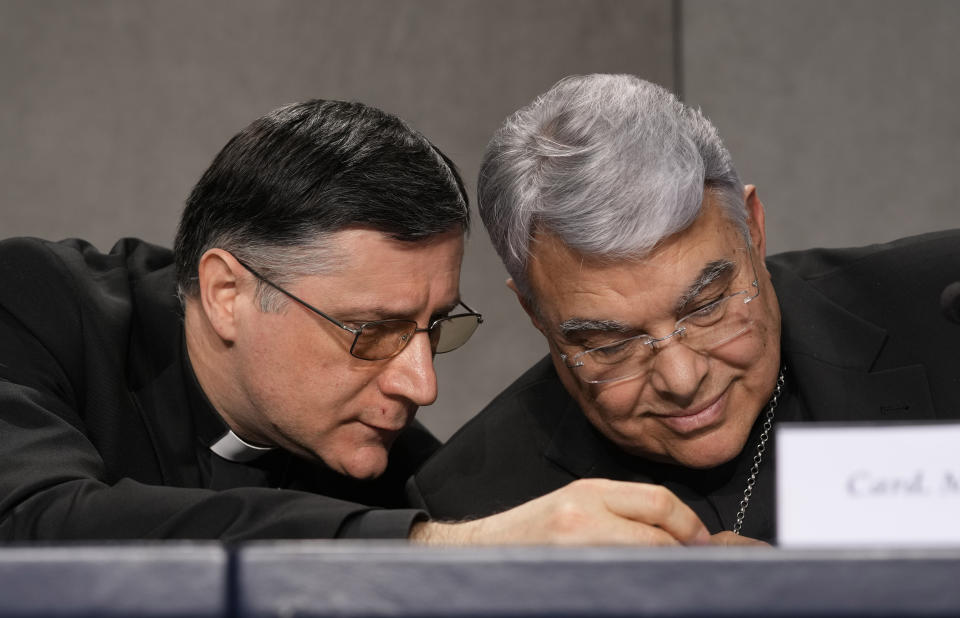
(842, 113)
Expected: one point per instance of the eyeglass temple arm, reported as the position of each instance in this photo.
(467, 307)
(756, 279)
(321, 313)
(296, 298)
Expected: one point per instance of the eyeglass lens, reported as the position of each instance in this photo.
(453, 332)
(387, 338)
(631, 358)
(704, 330)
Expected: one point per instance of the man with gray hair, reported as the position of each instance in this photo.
(675, 344)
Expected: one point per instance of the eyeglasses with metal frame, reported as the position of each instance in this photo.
(703, 330)
(383, 339)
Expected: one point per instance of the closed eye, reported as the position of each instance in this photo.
(614, 349)
(707, 308)
(616, 352)
(708, 314)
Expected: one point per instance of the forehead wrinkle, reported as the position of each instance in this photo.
(710, 273)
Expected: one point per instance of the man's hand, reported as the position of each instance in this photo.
(585, 512)
(727, 538)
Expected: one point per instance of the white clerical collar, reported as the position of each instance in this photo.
(233, 448)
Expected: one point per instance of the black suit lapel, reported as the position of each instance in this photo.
(833, 393)
(830, 354)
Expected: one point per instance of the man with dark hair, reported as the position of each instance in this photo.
(675, 344)
(154, 394)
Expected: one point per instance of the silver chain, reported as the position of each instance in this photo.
(761, 449)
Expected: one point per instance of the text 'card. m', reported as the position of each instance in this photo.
(894, 485)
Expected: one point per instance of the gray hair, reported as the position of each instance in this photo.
(284, 265)
(611, 164)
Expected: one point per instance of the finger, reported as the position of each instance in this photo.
(630, 532)
(657, 506)
(727, 538)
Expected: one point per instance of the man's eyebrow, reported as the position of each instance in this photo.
(381, 312)
(710, 273)
(575, 326)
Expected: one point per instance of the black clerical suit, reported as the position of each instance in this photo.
(105, 432)
(863, 339)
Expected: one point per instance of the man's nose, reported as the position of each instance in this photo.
(678, 372)
(410, 374)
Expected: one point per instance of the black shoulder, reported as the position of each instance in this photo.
(37, 291)
(531, 402)
(56, 295)
(24, 261)
(888, 284)
(933, 250)
(497, 459)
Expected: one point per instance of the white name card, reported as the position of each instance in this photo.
(895, 485)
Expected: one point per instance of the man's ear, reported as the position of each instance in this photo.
(525, 303)
(218, 274)
(755, 220)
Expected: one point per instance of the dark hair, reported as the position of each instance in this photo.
(307, 170)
